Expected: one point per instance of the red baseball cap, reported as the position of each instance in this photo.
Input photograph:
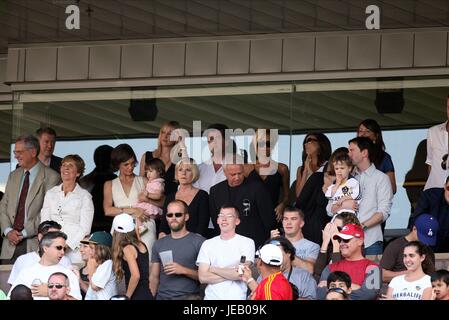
(350, 231)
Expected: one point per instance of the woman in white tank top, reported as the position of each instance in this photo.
(123, 193)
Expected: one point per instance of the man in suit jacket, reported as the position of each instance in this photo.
(20, 240)
(47, 141)
(257, 216)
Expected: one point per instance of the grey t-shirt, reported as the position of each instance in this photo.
(306, 249)
(184, 251)
(304, 281)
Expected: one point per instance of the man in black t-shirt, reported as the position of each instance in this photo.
(425, 230)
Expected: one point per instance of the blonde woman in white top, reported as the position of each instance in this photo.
(415, 284)
(70, 205)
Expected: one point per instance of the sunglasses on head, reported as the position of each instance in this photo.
(311, 140)
(444, 162)
(58, 286)
(176, 214)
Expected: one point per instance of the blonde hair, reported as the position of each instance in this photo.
(190, 162)
(171, 124)
(119, 242)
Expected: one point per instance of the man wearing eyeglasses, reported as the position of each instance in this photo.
(219, 258)
(24, 195)
(59, 287)
(35, 277)
(177, 279)
(437, 153)
(366, 276)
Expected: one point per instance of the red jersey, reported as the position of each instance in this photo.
(356, 269)
(274, 287)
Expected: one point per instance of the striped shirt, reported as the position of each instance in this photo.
(274, 287)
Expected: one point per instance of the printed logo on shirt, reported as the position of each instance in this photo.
(246, 207)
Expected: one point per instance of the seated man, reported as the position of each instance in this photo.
(425, 230)
(365, 274)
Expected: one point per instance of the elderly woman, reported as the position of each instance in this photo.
(70, 205)
(164, 151)
(125, 191)
(316, 152)
(186, 173)
(275, 176)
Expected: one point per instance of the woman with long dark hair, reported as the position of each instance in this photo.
(382, 160)
(415, 284)
(316, 152)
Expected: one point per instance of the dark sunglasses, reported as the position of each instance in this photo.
(176, 214)
(59, 248)
(263, 144)
(344, 240)
(58, 286)
(444, 162)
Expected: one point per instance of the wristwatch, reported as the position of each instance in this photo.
(364, 227)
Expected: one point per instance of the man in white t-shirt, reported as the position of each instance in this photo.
(30, 258)
(306, 250)
(437, 153)
(219, 259)
(35, 277)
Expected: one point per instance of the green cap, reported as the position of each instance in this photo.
(99, 237)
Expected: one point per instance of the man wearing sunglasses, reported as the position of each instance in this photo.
(437, 153)
(59, 287)
(30, 258)
(177, 279)
(51, 250)
(365, 274)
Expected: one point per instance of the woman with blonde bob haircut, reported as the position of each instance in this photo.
(197, 200)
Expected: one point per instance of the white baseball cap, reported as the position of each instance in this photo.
(123, 223)
(271, 254)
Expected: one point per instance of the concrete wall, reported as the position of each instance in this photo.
(230, 56)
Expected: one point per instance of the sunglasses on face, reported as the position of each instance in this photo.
(344, 240)
(444, 162)
(58, 286)
(263, 144)
(59, 248)
(176, 214)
